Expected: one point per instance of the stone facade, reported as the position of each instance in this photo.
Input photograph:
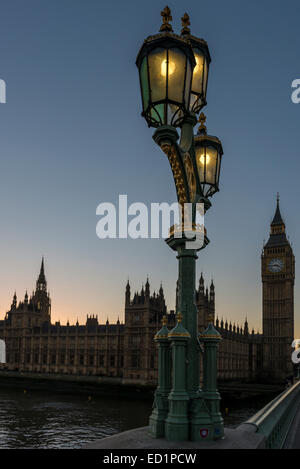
(127, 351)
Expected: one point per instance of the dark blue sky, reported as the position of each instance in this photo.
(72, 137)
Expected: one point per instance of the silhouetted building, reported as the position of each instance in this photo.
(127, 351)
(278, 277)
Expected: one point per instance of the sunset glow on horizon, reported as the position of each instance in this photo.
(84, 142)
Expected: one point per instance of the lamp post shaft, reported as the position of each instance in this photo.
(186, 305)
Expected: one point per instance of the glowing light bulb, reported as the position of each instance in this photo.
(202, 159)
(163, 69)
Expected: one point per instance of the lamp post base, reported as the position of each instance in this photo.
(157, 424)
(201, 422)
(177, 423)
(158, 416)
(177, 431)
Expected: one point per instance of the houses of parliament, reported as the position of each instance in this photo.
(127, 352)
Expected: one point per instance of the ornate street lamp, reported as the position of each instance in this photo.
(209, 153)
(166, 62)
(173, 77)
(200, 72)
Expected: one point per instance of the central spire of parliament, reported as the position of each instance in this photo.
(41, 283)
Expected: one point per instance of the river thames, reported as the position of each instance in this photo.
(39, 419)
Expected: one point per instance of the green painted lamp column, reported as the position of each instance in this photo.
(186, 303)
(199, 416)
(161, 404)
(177, 422)
(173, 74)
(210, 339)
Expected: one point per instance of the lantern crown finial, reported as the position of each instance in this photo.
(202, 127)
(164, 320)
(185, 22)
(166, 16)
(179, 317)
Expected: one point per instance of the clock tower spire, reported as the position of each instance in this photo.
(277, 225)
(278, 276)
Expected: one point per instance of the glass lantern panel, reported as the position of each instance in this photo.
(205, 77)
(144, 83)
(198, 72)
(187, 84)
(218, 170)
(174, 113)
(207, 160)
(157, 60)
(158, 113)
(176, 74)
(193, 99)
(200, 160)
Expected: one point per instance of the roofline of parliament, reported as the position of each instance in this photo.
(128, 351)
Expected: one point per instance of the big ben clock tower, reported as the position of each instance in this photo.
(278, 276)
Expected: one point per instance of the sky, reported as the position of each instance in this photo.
(72, 137)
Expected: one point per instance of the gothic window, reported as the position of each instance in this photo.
(136, 339)
(81, 359)
(112, 360)
(121, 361)
(101, 360)
(135, 361)
(152, 361)
(91, 360)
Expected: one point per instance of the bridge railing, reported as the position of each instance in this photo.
(274, 420)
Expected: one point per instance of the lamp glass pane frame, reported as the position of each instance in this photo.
(165, 99)
(208, 160)
(199, 81)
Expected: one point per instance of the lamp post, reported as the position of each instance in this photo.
(173, 72)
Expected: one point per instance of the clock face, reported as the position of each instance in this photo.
(275, 265)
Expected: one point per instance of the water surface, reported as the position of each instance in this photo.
(38, 419)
